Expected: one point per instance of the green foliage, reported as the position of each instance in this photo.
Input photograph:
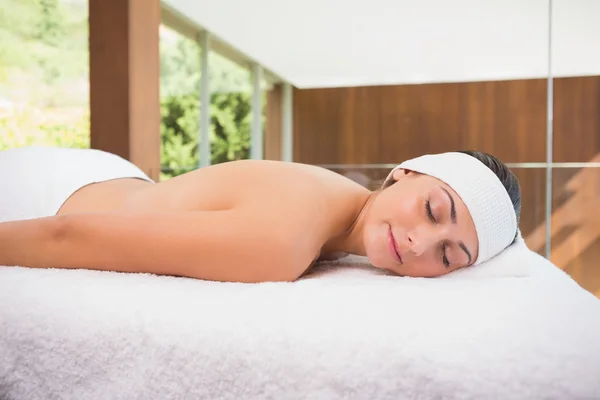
(43, 55)
(179, 122)
(29, 126)
(44, 73)
(49, 29)
(230, 116)
(230, 108)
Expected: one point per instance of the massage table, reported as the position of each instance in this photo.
(515, 327)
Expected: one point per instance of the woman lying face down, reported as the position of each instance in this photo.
(257, 221)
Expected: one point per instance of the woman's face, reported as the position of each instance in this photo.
(419, 227)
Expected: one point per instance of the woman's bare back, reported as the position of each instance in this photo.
(218, 187)
(303, 202)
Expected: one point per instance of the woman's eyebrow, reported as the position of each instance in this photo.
(453, 219)
(452, 207)
(462, 246)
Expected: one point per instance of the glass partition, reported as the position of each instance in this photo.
(180, 72)
(575, 176)
(575, 223)
(230, 107)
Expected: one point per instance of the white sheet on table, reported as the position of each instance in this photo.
(514, 328)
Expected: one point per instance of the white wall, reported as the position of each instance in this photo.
(325, 43)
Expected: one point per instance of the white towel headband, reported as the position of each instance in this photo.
(482, 192)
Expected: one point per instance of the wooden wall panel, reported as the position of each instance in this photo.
(533, 202)
(576, 119)
(359, 134)
(387, 124)
(416, 121)
(273, 128)
(318, 121)
(124, 80)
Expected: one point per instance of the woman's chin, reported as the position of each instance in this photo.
(378, 261)
(386, 268)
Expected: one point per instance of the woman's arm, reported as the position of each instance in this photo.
(228, 245)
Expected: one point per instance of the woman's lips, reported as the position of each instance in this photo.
(392, 245)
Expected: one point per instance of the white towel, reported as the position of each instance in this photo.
(520, 329)
(35, 181)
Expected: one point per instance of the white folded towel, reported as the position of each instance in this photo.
(515, 327)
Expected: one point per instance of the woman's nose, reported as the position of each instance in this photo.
(419, 240)
(415, 244)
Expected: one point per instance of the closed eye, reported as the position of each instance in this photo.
(445, 260)
(429, 213)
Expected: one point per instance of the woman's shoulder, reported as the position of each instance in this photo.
(321, 198)
(321, 201)
(279, 180)
(246, 175)
(269, 188)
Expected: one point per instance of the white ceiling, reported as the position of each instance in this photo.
(329, 43)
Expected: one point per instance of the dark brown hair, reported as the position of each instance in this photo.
(506, 176)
